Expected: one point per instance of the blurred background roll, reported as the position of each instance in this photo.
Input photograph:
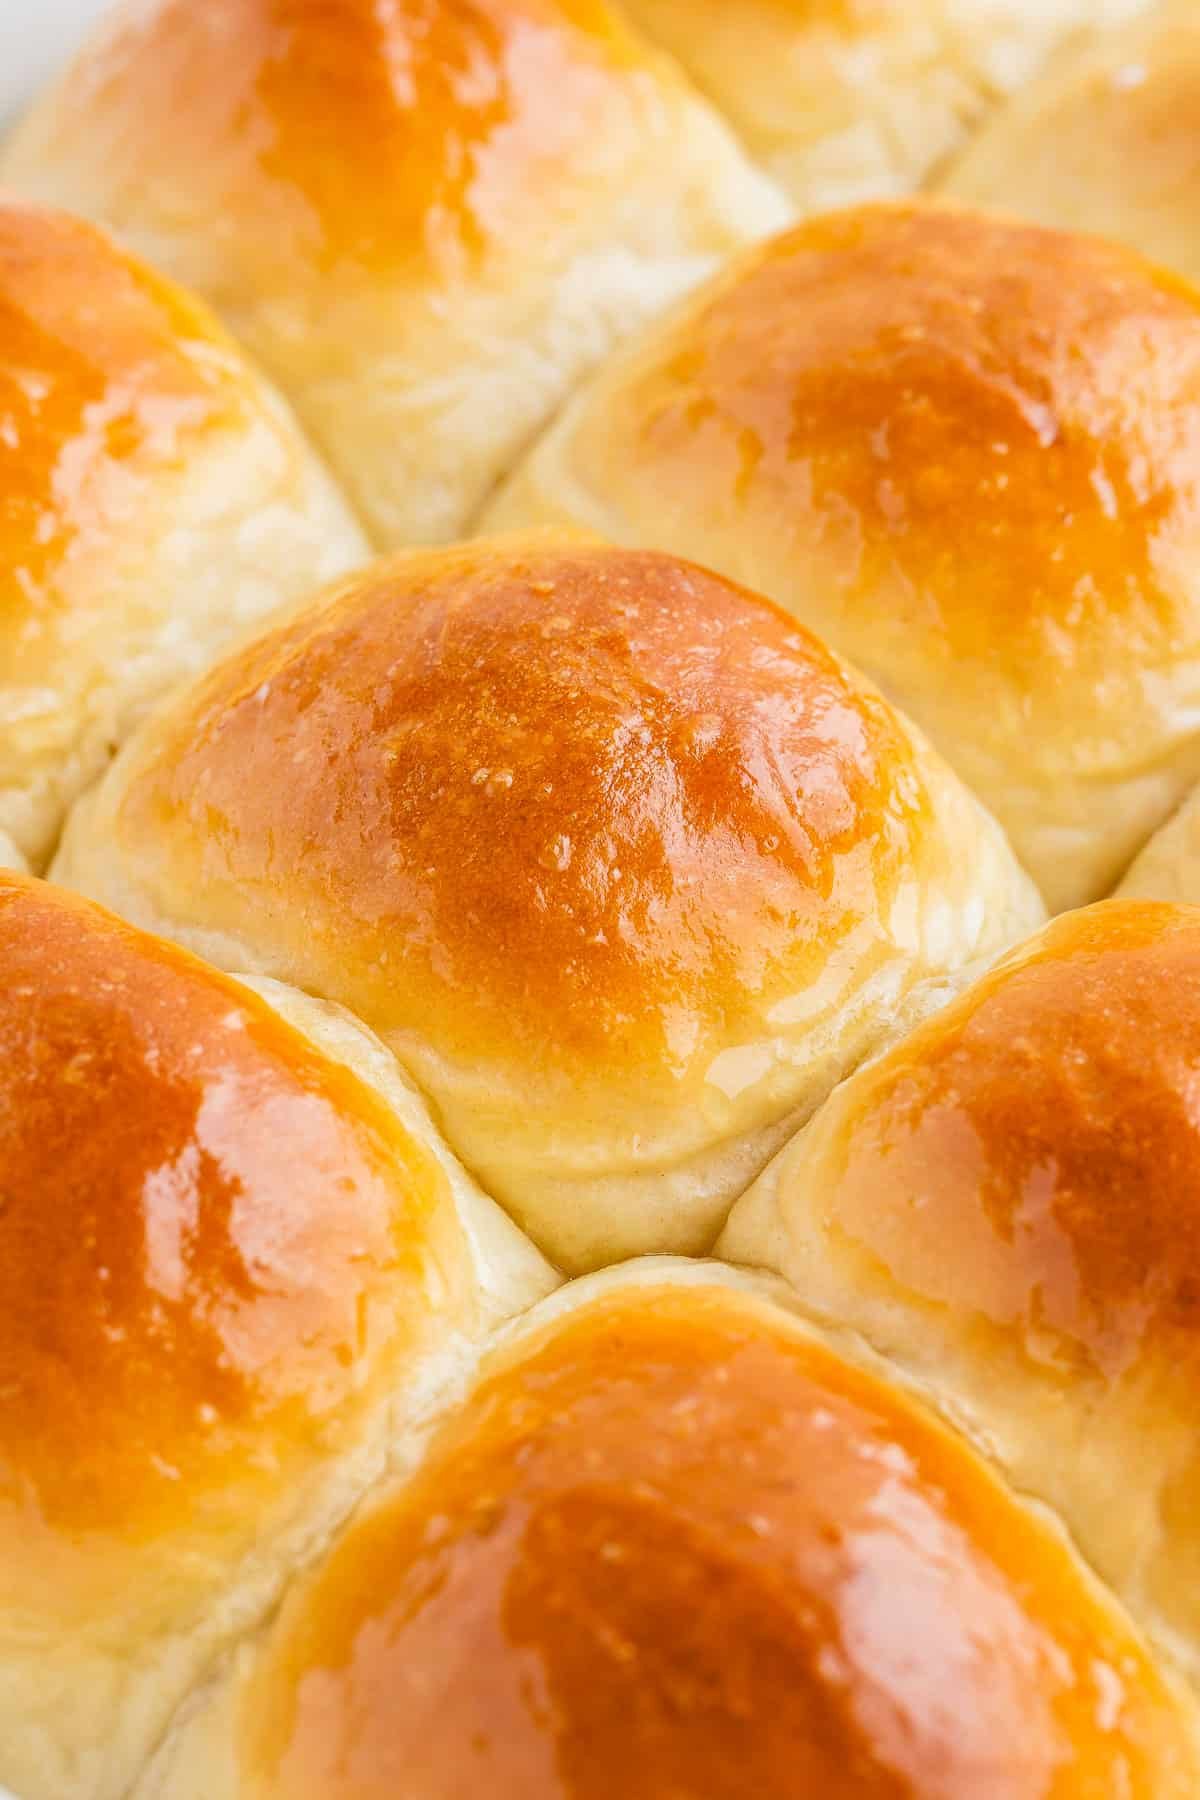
(1169, 866)
(426, 219)
(848, 100)
(1108, 141)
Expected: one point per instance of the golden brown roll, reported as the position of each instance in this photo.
(967, 452)
(624, 866)
(154, 499)
(847, 100)
(236, 1275)
(1107, 141)
(1008, 1205)
(427, 219)
(674, 1546)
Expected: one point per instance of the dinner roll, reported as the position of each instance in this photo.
(428, 218)
(236, 1278)
(1108, 140)
(966, 451)
(847, 100)
(154, 497)
(1008, 1204)
(1169, 867)
(672, 1545)
(624, 866)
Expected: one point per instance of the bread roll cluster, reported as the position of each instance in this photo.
(599, 985)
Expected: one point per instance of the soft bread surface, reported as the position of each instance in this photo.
(1107, 141)
(154, 498)
(967, 452)
(426, 219)
(1169, 867)
(672, 1545)
(554, 903)
(225, 1260)
(624, 865)
(1008, 1204)
(847, 100)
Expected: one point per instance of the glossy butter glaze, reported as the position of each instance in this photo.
(154, 499)
(109, 377)
(623, 864)
(670, 1548)
(579, 802)
(1039, 1147)
(346, 135)
(212, 1242)
(961, 415)
(966, 451)
(427, 219)
(1008, 1204)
